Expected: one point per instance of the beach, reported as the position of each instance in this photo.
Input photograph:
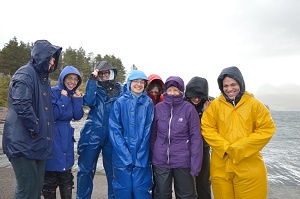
(277, 189)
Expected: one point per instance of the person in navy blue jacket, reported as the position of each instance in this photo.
(129, 132)
(29, 124)
(101, 92)
(67, 105)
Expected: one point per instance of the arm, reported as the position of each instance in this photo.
(89, 97)
(261, 135)
(77, 101)
(116, 135)
(143, 151)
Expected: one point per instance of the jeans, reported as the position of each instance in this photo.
(29, 177)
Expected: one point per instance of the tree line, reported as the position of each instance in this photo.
(16, 53)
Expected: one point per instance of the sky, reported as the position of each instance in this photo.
(171, 37)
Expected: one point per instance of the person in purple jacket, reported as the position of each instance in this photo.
(67, 105)
(176, 143)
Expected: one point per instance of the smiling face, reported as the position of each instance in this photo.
(172, 90)
(71, 81)
(137, 86)
(231, 87)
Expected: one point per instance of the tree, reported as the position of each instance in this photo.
(13, 56)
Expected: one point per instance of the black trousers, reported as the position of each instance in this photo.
(203, 184)
(63, 180)
(184, 183)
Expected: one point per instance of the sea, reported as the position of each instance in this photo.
(281, 154)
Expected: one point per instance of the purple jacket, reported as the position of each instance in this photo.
(176, 140)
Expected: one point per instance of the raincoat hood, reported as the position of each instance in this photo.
(197, 87)
(66, 71)
(234, 73)
(41, 55)
(104, 66)
(174, 81)
(135, 74)
(157, 78)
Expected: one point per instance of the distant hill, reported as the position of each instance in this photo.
(282, 98)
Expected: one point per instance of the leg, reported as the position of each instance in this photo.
(29, 177)
(184, 184)
(50, 185)
(163, 182)
(203, 184)
(107, 164)
(142, 182)
(87, 163)
(66, 184)
(122, 183)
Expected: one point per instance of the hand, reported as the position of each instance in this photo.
(77, 94)
(206, 104)
(64, 92)
(95, 73)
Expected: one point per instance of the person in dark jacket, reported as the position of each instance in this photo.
(176, 143)
(102, 91)
(130, 127)
(155, 88)
(29, 125)
(67, 105)
(196, 93)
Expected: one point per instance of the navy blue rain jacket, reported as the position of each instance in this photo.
(30, 110)
(65, 109)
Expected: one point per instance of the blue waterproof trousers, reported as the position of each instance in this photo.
(87, 164)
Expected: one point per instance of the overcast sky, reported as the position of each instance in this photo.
(171, 37)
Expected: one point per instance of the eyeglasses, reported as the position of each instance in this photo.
(139, 81)
(72, 79)
(154, 92)
(101, 73)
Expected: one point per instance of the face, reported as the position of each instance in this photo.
(195, 100)
(104, 75)
(51, 65)
(137, 86)
(231, 87)
(71, 81)
(172, 90)
(154, 91)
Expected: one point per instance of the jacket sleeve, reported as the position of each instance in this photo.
(142, 158)
(263, 132)
(196, 143)
(22, 93)
(89, 97)
(210, 131)
(116, 135)
(59, 103)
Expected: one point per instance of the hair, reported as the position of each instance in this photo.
(154, 84)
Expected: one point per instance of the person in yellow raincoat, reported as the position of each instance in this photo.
(237, 126)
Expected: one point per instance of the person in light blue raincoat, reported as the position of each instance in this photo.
(67, 105)
(101, 92)
(130, 126)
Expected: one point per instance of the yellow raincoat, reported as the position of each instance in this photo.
(236, 136)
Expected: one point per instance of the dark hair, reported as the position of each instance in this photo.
(153, 84)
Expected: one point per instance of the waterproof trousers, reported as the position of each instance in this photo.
(63, 180)
(29, 177)
(133, 183)
(184, 183)
(87, 165)
(246, 180)
(203, 184)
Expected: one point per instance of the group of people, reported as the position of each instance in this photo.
(151, 134)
